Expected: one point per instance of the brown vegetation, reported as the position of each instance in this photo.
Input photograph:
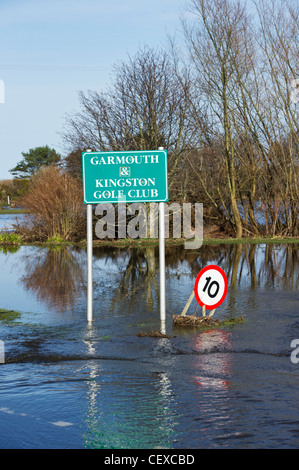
(192, 321)
(153, 334)
(55, 207)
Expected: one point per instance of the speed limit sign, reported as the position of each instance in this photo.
(210, 287)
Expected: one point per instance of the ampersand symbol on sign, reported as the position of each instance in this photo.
(124, 171)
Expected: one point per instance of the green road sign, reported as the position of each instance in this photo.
(137, 176)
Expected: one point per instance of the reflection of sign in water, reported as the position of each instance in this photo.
(2, 358)
(210, 287)
(135, 176)
(212, 374)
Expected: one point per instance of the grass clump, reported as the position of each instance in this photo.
(11, 211)
(7, 316)
(55, 240)
(10, 238)
(204, 322)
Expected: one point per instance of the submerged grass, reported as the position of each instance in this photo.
(126, 242)
(181, 241)
(191, 321)
(254, 241)
(57, 240)
(12, 211)
(6, 316)
(204, 322)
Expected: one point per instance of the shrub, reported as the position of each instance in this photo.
(56, 239)
(55, 206)
(10, 238)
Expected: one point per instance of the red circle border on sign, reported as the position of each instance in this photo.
(207, 268)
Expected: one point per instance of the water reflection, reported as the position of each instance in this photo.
(215, 371)
(123, 410)
(55, 276)
(257, 265)
(128, 412)
(231, 388)
(263, 265)
(140, 274)
(6, 249)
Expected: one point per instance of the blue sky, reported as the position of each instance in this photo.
(51, 49)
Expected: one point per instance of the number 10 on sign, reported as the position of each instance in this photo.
(210, 287)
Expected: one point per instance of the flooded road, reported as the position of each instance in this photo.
(65, 384)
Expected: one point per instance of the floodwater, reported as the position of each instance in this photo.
(7, 221)
(65, 384)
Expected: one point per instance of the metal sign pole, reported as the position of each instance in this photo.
(162, 263)
(89, 261)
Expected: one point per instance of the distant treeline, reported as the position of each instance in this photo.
(14, 189)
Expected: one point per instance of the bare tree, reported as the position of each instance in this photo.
(214, 38)
(279, 22)
(144, 109)
(242, 112)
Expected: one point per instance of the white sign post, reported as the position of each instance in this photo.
(89, 261)
(162, 263)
